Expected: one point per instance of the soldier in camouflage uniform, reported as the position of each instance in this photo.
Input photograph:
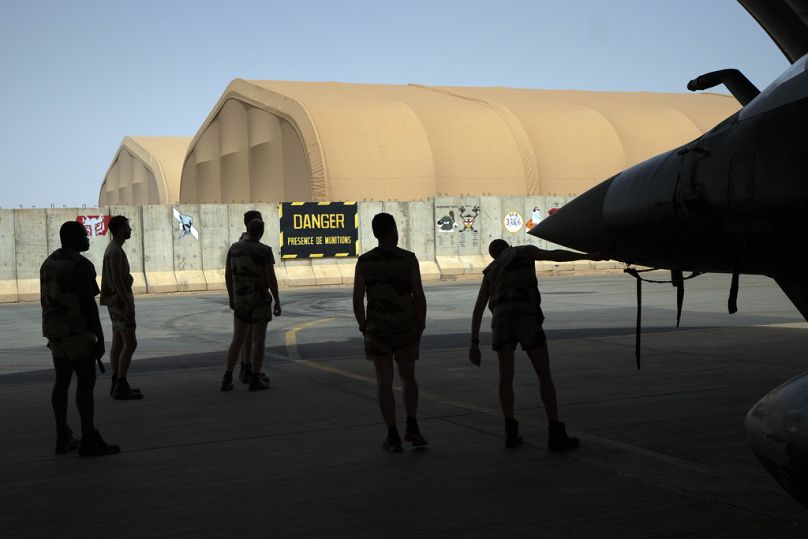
(392, 325)
(70, 323)
(116, 294)
(248, 275)
(510, 289)
(245, 370)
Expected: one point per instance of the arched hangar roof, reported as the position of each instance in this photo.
(145, 170)
(374, 141)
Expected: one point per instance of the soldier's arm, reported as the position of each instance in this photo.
(476, 319)
(359, 299)
(272, 280)
(418, 296)
(87, 289)
(228, 279)
(479, 309)
(559, 255)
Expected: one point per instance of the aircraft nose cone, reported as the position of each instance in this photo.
(777, 429)
(579, 224)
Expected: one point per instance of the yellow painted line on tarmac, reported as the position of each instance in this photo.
(290, 339)
(593, 456)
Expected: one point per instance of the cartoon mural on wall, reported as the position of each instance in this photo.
(186, 223)
(96, 225)
(513, 222)
(535, 218)
(468, 219)
(447, 223)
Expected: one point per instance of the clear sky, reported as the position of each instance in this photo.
(78, 76)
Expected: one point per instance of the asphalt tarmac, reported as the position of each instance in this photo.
(662, 448)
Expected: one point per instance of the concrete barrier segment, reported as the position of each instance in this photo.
(326, 271)
(159, 227)
(31, 249)
(8, 259)
(214, 238)
(347, 269)
(367, 210)
(299, 273)
(187, 245)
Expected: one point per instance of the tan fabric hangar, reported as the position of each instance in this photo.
(146, 170)
(270, 141)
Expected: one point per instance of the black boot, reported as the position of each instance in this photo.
(92, 445)
(65, 441)
(512, 438)
(393, 441)
(227, 381)
(413, 434)
(244, 372)
(557, 439)
(256, 383)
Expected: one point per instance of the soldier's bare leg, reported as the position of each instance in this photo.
(406, 370)
(128, 346)
(115, 353)
(541, 364)
(506, 360)
(384, 390)
(239, 335)
(257, 334)
(85, 383)
(64, 374)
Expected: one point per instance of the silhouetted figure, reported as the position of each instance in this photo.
(393, 323)
(116, 294)
(70, 323)
(511, 290)
(246, 365)
(248, 274)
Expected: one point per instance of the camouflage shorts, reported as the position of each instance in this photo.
(378, 346)
(253, 313)
(526, 330)
(74, 347)
(117, 313)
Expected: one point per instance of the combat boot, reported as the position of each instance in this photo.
(557, 439)
(512, 437)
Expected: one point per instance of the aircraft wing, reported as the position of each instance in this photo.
(786, 22)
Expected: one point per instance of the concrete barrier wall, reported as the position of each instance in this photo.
(8, 258)
(449, 235)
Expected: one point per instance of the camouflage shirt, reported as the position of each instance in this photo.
(67, 291)
(512, 285)
(247, 261)
(388, 283)
(108, 291)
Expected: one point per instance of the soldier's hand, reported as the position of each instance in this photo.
(99, 350)
(474, 354)
(277, 309)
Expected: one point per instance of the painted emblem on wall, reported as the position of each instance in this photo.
(468, 219)
(96, 225)
(535, 218)
(551, 211)
(186, 224)
(513, 222)
(447, 223)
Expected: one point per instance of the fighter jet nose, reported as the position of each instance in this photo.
(777, 428)
(579, 224)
